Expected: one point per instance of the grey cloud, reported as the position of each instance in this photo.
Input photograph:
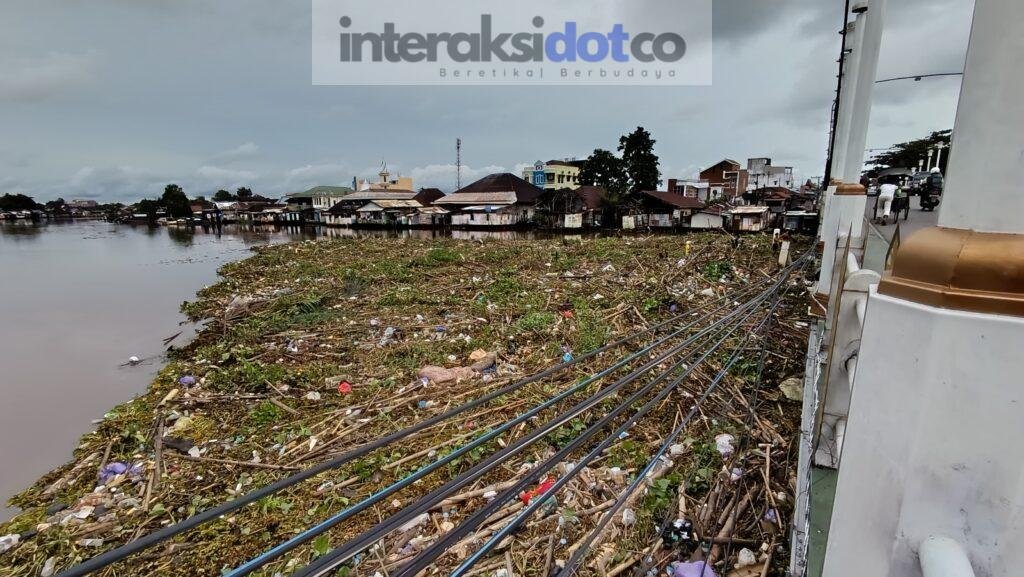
(31, 79)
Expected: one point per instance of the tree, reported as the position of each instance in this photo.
(243, 194)
(604, 169)
(148, 207)
(175, 201)
(223, 196)
(17, 202)
(637, 150)
(56, 205)
(907, 154)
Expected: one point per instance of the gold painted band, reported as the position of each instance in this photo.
(959, 269)
(847, 189)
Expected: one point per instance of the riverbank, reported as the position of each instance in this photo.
(316, 347)
(80, 298)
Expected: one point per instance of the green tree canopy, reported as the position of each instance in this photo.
(175, 201)
(17, 202)
(56, 205)
(604, 169)
(243, 193)
(907, 154)
(637, 150)
(148, 206)
(223, 196)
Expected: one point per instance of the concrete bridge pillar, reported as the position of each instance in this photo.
(931, 445)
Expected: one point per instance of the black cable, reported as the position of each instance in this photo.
(581, 551)
(494, 540)
(270, 554)
(151, 539)
(583, 462)
(341, 554)
(429, 555)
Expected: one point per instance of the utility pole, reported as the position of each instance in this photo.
(458, 164)
(838, 100)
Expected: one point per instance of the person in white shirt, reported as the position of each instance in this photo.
(886, 193)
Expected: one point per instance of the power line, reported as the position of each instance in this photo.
(918, 77)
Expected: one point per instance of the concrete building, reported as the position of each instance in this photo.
(726, 179)
(385, 182)
(761, 174)
(554, 174)
(324, 197)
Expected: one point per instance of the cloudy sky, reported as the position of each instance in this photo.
(113, 99)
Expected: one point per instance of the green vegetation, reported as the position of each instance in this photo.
(313, 348)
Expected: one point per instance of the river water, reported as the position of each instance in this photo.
(78, 299)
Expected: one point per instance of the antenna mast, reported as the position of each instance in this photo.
(458, 163)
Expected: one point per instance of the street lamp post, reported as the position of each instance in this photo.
(938, 154)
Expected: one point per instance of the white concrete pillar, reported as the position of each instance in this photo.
(930, 445)
(854, 34)
(867, 70)
(844, 215)
(983, 175)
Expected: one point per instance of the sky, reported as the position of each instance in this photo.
(114, 99)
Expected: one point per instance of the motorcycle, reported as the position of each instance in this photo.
(929, 200)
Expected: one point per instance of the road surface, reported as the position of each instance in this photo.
(917, 219)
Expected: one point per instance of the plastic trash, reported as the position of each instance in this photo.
(133, 360)
(439, 375)
(425, 404)
(187, 381)
(482, 360)
(736, 474)
(771, 516)
(540, 489)
(49, 567)
(792, 388)
(7, 542)
(388, 338)
(312, 396)
(746, 557)
(692, 569)
(344, 387)
(178, 444)
(679, 533)
(628, 517)
(108, 472)
(708, 292)
(723, 443)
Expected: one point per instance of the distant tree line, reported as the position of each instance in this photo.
(12, 202)
(242, 194)
(907, 154)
